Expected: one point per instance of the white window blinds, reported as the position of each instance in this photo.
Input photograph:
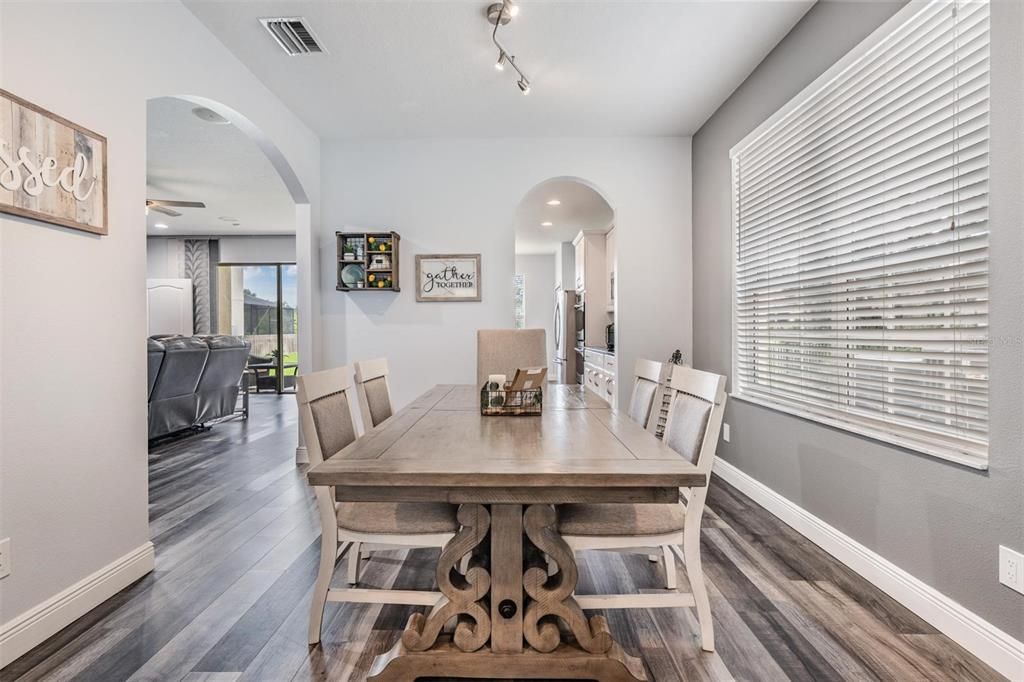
(861, 240)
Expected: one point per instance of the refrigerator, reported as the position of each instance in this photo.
(565, 336)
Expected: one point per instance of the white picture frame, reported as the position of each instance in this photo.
(449, 277)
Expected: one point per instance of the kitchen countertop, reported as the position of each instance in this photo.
(602, 351)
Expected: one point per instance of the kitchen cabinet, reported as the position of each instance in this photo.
(591, 276)
(609, 279)
(599, 374)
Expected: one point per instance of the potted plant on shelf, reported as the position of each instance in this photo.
(348, 252)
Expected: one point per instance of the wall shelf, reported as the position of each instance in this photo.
(364, 246)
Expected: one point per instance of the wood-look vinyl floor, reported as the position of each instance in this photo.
(236, 537)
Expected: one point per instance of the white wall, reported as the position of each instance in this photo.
(454, 196)
(539, 271)
(255, 249)
(73, 389)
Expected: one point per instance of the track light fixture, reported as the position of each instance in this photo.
(499, 14)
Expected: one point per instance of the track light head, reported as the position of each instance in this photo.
(524, 85)
(500, 64)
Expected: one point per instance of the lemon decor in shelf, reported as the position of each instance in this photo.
(383, 247)
(372, 278)
(371, 240)
(380, 284)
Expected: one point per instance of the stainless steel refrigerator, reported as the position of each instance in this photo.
(565, 336)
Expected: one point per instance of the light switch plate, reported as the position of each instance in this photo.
(5, 557)
(1011, 569)
(725, 432)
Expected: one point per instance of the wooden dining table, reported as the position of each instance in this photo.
(515, 616)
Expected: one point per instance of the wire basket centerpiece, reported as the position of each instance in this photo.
(523, 396)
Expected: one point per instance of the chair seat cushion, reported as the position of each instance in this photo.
(401, 518)
(620, 519)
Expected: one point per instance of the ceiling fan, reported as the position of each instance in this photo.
(161, 206)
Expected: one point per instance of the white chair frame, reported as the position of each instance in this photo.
(368, 370)
(336, 542)
(709, 387)
(654, 372)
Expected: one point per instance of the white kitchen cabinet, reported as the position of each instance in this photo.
(609, 253)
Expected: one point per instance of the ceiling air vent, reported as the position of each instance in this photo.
(292, 34)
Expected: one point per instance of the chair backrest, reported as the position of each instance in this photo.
(326, 416)
(374, 391)
(503, 351)
(695, 414)
(645, 388)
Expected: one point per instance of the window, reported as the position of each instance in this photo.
(861, 240)
(519, 289)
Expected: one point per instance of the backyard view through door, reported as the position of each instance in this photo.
(258, 303)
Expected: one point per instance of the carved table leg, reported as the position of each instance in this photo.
(489, 603)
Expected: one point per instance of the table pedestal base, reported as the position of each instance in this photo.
(511, 616)
(567, 662)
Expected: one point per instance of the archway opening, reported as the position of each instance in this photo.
(565, 279)
(226, 221)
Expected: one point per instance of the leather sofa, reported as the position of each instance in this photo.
(192, 380)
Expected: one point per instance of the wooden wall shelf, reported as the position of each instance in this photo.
(371, 263)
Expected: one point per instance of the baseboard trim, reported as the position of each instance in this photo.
(21, 634)
(997, 648)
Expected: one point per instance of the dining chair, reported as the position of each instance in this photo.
(328, 425)
(374, 391)
(694, 422)
(503, 351)
(649, 375)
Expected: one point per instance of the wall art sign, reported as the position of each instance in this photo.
(50, 168)
(448, 277)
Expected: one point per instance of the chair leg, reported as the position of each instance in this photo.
(353, 564)
(328, 555)
(670, 567)
(695, 574)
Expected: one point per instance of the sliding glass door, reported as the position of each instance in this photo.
(258, 303)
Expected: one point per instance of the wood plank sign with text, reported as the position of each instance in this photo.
(50, 168)
(448, 277)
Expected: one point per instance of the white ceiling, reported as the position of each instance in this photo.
(582, 209)
(426, 69)
(188, 159)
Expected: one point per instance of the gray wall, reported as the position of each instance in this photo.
(941, 522)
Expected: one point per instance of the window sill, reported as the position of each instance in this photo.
(948, 454)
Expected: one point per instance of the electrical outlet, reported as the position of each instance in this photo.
(725, 432)
(1011, 569)
(5, 557)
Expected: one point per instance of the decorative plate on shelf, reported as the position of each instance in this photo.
(352, 274)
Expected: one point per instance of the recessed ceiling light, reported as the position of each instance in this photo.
(554, 202)
(210, 116)
(160, 226)
(546, 223)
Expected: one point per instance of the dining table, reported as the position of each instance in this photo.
(513, 601)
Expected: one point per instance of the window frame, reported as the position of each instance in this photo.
(936, 446)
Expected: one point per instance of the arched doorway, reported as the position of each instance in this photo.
(564, 278)
(272, 201)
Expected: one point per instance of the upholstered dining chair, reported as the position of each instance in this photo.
(503, 351)
(374, 391)
(649, 376)
(694, 421)
(328, 426)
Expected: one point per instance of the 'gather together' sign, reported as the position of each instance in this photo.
(448, 277)
(51, 169)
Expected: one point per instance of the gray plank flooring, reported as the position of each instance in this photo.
(237, 543)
